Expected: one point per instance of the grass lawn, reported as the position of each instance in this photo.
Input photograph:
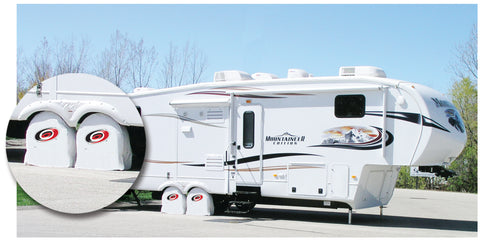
(23, 199)
(142, 195)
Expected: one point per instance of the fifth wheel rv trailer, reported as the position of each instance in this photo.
(335, 142)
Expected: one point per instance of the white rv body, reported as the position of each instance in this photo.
(294, 148)
(315, 141)
(74, 96)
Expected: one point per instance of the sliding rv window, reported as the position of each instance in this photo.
(350, 106)
(248, 129)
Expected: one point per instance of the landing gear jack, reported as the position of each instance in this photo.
(350, 216)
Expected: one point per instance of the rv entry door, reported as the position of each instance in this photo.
(249, 159)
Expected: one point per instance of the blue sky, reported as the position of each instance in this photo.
(410, 42)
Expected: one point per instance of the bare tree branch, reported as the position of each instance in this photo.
(42, 65)
(187, 66)
(113, 62)
(169, 66)
(70, 58)
(22, 75)
(198, 64)
(143, 62)
(466, 63)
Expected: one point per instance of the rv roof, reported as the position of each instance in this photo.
(332, 81)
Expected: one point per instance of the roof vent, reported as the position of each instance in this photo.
(297, 73)
(366, 71)
(231, 75)
(264, 76)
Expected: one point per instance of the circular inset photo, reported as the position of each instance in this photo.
(75, 143)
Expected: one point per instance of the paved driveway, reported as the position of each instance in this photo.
(411, 213)
(72, 190)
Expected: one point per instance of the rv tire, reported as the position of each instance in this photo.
(221, 204)
(157, 195)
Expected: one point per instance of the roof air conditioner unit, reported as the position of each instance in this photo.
(366, 71)
(297, 73)
(231, 75)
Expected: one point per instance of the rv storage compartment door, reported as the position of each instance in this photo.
(307, 179)
(338, 181)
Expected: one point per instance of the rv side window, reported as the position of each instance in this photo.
(349, 106)
(248, 129)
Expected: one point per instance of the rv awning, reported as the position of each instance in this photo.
(359, 88)
(201, 102)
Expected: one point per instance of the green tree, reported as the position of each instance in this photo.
(404, 180)
(464, 97)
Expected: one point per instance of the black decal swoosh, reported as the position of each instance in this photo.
(405, 116)
(257, 158)
(410, 117)
(431, 123)
(196, 165)
(267, 156)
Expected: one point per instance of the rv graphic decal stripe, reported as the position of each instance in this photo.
(267, 156)
(183, 118)
(292, 94)
(224, 93)
(277, 168)
(197, 165)
(257, 158)
(371, 145)
(405, 116)
(270, 168)
(431, 123)
(410, 117)
(238, 88)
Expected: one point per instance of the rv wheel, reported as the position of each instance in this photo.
(221, 205)
(157, 195)
(48, 132)
(245, 206)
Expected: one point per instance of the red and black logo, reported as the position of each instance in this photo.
(172, 197)
(97, 136)
(46, 134)
(197, 197)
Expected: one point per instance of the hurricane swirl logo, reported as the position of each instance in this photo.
(46, 134)
(455, 120)
(172, 197)
(97, 136)
(197, 197)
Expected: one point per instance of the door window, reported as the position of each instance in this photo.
(248, 129)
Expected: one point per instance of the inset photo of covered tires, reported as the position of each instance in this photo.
(75, 143)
